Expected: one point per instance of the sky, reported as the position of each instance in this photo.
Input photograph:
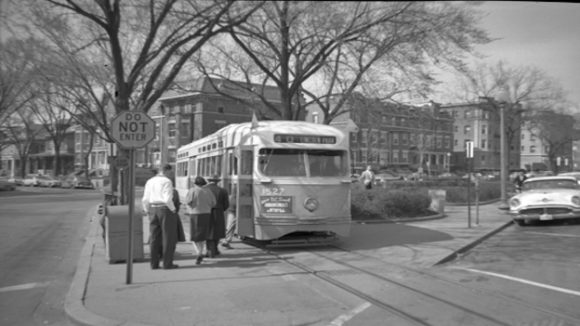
(545, 35)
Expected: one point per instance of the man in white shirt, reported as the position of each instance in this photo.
(158, 204)
(368, 177)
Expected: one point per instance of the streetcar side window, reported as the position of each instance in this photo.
(233, 162)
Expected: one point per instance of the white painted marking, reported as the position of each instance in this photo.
(555, 234)
(21, 287)
(521, 280)
(340, 320)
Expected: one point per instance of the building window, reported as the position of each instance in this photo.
(483, 158)
(532, 138)
(364, 137)
(395, 138)
(404, 139)
(467, 129)
(523, 136)
(483, 129)
(171, 129)
(455, 128)
(456, 142)
(483, 143)
(533, 149)
(315, 117)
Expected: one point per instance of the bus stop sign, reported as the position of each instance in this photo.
(133, 129)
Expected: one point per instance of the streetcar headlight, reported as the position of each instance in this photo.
(576, 200)
(311, 204)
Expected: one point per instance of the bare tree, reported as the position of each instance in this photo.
(22, 132)
(16, 73)
(556, 132)
(141, 46)
(517, 88)
(326, 50)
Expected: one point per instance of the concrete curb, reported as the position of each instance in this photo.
(74, 307)
(471, 245)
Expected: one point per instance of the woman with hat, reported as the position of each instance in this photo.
(217, 225)
(200, 202)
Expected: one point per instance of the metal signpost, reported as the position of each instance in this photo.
(132, 129)
(469, 158)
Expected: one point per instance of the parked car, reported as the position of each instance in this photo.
(48, 181)
(571, 174)
(7, 185)
(31, 180)
(77, 180)
(545, 199)
(448, 175)
(16, 180)
(387, 176)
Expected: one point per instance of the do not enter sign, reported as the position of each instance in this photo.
(132, 129)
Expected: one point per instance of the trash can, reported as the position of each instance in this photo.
(117, 234)
(438, 198)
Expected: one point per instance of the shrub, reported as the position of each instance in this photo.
(379, 203)
(487, 191)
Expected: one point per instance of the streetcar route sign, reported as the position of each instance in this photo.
(133, 129)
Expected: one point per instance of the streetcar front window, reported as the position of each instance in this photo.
(284, 162)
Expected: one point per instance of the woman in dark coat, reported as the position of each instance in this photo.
(217, 225)
(200, 201)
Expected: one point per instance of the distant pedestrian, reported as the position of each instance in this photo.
(368, 177)
(519, 180)
(217, 225)
(199, 201)
(231, 222)
(159, 206)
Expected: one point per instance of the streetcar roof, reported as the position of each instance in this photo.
(263, 133)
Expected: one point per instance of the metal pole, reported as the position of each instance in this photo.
(131, 213)
(503, 158)
(469, 192)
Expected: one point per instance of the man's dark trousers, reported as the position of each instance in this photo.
(163, 228)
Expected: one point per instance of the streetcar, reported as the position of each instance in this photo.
(290, 178)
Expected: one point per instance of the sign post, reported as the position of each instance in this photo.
(132, 129)
(469, 158)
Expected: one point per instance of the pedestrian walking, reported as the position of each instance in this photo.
(217, 225)
(368, 177)
(231, 221)
(199, 201)
(159, 206)
(519, 180)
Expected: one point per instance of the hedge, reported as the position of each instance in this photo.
(382, 203)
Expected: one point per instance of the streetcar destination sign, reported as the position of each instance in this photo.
(133, 129)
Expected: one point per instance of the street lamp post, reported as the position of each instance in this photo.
(503, 157)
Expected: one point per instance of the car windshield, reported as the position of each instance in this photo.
(289, 162)
(550, 184)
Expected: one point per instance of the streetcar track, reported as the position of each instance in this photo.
(495, 294)
(327, 277)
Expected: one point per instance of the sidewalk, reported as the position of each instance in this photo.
(217, 291)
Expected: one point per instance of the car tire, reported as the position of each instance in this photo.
(520, 222)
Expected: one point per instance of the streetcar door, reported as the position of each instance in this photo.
(245, 191)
